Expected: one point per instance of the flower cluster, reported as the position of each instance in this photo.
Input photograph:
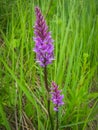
(56, 96)
(43, 41)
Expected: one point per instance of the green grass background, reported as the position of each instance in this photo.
(74, 27)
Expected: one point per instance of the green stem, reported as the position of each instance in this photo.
(48, 99)
(57, 121)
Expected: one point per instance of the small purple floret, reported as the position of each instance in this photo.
(43, 41)
(56, 96)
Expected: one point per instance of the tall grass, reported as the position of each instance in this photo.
(74, 27)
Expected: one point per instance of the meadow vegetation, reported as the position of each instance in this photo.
(74, 28)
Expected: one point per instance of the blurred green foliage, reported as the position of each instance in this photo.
(74, 27)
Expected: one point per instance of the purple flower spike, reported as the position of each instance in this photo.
(43, 41)
(56, 96)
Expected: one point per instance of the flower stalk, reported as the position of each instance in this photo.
(48, 98)
(43, 49)
(57, 121)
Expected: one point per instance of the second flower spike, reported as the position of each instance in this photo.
(56, 96)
